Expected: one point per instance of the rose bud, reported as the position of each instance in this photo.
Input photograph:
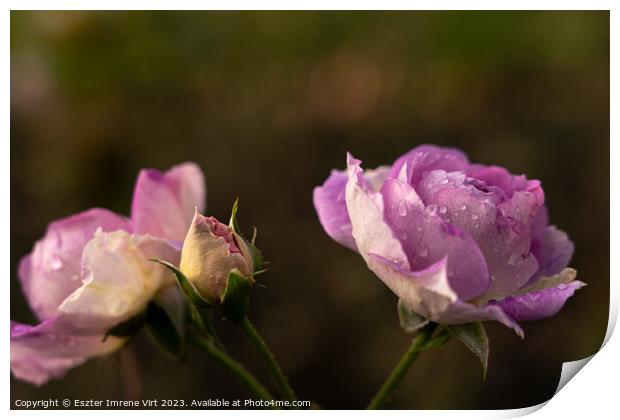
(457, 242)
(210, 252)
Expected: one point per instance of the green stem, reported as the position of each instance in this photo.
(213, 332)
(418, 345)
(268, 357)
(233, 366)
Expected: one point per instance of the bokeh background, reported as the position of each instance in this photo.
(267, 103)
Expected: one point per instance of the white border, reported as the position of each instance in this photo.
(595, 390)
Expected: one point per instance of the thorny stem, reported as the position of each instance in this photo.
(233, 366)
(269, 359)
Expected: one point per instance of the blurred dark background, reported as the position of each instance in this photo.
(267, 103)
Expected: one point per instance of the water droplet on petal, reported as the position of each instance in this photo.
(423, 251)
(55, 262)
(402, 208)
(444, 181)
(474, 216)
(463, 207)
(443, 209)
(515, 259)
(432, 208)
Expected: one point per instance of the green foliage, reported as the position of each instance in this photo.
(439, 340)
(233, 217)
(127, 328)
(164, 322)
(164, 331)
(475, 338)
(174, 304)
(188, 289)
(197, 303)
(257, 256)
(236, 297)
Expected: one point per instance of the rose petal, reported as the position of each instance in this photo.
(164, 202)
(365, 207)
(39, 354)
(564, 277)
(539, 224)
(437, 180)
(428, 293)
(553, 251)
(52, 271)
(523, 206)
(331, 207)
(426, 158)
(118, 279)
(491, 220)
(499, 177)
(427, 238)
(539, 304)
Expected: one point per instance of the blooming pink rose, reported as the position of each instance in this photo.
(91, 272)
(457, 242)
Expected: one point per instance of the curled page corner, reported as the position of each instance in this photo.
(570, 369)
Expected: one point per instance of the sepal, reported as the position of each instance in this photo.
(236, 297)
(255, 253)
(197, 304)
(475, 338)
(410, 321)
